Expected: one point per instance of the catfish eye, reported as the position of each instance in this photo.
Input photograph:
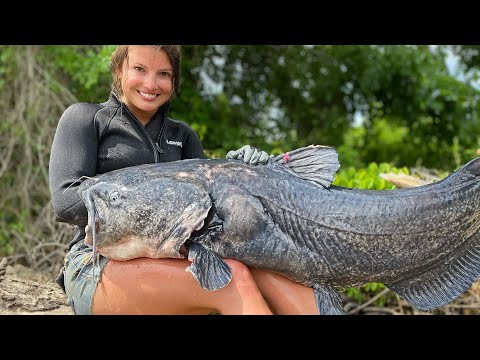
(114, 196)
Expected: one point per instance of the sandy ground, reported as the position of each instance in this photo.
(25, 292)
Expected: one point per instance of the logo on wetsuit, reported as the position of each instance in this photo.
(176, 143)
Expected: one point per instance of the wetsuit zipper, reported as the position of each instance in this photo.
(157, 143)
(154, 145)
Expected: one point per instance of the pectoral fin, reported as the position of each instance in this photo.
(329, 301)
(209, 269)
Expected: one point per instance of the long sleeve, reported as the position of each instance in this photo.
(193, 148)
(73, 155)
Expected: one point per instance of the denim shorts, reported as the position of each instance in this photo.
(81, 278)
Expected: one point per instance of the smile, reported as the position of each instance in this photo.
(147, 95)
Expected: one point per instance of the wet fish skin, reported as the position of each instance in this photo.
(421, 242)
(131, 225)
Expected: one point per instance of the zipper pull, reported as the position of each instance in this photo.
(157, 147)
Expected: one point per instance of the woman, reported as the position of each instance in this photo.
(132, 128)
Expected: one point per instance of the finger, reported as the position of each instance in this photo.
(244, 148)
(255, 157)
(263, 157)
(237, 154)
(248, 154)
(232, 154)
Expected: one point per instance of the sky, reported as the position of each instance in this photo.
(451, 62)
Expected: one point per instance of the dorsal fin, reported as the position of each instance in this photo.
(315, 163)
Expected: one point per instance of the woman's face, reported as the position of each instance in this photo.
(146, 77)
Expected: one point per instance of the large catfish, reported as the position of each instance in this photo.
(423, 243)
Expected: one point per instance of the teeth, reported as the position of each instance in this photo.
(151, 96)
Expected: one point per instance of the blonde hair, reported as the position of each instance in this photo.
(121, 53)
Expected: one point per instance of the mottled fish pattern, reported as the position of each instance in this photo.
(423, 243)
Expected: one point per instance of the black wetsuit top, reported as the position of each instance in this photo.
(93, 139)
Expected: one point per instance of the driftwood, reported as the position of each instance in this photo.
(403, 180)
(419, 176)
(25, 292)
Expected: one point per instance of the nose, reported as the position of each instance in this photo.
(150, 82)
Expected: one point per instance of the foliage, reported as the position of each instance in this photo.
(390, 104)
(470, 56)
(29, 110)
(319, 92)
(82, 69)
(367, 178)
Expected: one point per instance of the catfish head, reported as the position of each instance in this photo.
(151, 219)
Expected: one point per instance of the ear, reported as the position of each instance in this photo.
(118, 81)
(119, 72)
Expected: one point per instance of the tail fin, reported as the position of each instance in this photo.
(467, 172)
(444, 283)
(315, 163)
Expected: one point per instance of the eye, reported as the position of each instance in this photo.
(138, 68)
(165, 74)
(114, 196)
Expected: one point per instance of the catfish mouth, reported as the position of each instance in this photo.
(172, 242)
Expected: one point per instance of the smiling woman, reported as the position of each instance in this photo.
(133, 128)
(144, 79)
